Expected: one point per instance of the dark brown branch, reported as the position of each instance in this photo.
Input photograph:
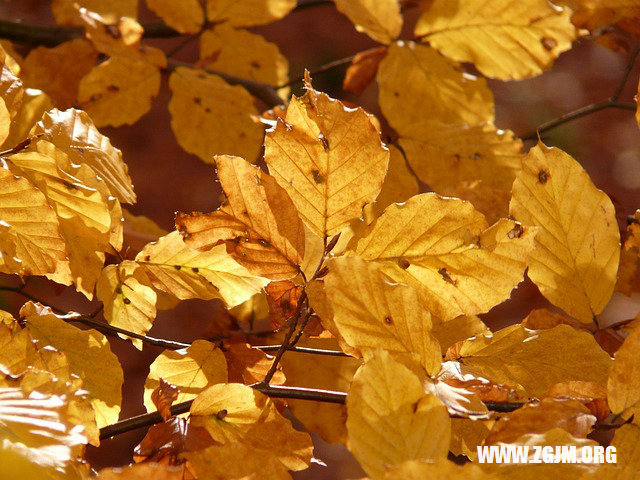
(574, 115)
(625, 74)
(274, 391)
(313, 351)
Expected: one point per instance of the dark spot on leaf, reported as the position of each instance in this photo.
(456, 156)
(324, 141)
(548, 43)
(475, 156)
(113, 88)
(255, 64)
(388, 320)
(516, 231)
(445, 275)
(95, 97)
(317, 177)
(147, 258)
(396, 94)
(263, 242)
(221, 414)
(403, 264)
(113, 31)
(543, 176)
(202, 76)
(126, 301)
(197, 100)
(177, 267)
(119, 290)
(208, 110)
(195, 269)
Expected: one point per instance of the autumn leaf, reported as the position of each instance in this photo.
(185, 16)
(490, 34)
(391, 419)
(129, 299)
(249, 365)
(380, 19)
(329, 159)
(33, 106)
(43, 66)
(89, 356)
(371, 313)
(444, 248)
(191, 370)
(252, 437)
(362, 70)
(625, 441)
(257, 222)
(623, 388)
(74, 132)
(184, 272)
(576, 251)
(163, 397)
(247, 13)
(65, 12)
(629, 267)
(283, 297)
(142, 471)
(243, 54)
(209, 116)
(536, 360)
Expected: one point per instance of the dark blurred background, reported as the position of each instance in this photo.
(167, 179)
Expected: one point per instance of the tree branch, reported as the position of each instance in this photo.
(273, 391)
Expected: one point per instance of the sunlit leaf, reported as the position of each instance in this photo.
(246, 13)
(380, 19)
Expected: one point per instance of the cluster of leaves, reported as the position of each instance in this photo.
(332, 241)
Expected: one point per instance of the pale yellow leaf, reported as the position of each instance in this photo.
(505, 39)
(475, 163)
(191, 369)
(536, 359)
(257, 222)
(34, 105)
(391, 419)
(329, 159)
(243, 54)
(89, 356)
(576, 253)
(176, 269)
(74, 132)
(57, 71)
(371, 313)
(65, 12)
(415, 79)
(209, 116)
(119, 90)
(247, 13)
(380, 19)
(445, 248)
(129, 299)
(184, 16)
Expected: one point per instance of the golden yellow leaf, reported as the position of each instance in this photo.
(505, 39)
(443, 247)
(415, 78)
(30, 238)
(399, 185)
(467, 434)
(178, 270)
(142, 225)
(627, 456)
(541, 417)
(371, 313)
(129, 299)
(34, 105)
(209, 116)
(65, 12)
(576, 253)
(5, 121)
(331, 373)
(191, 369)
(142, 471)
(119, 91)
(243, 54)
(328, 158)
(89, 356)
(362, 70)
(380, 19)
(38, 428)
(252, 437)
(442, 469)
(476, 163)
(75, 133)
(184, 16)
(257, 222)
(391, 419)
(623, 387)
(10, 57)
(249, 365)
(458, 329)
(536, 359)
(592, 14)
(247, 13)
(629, 268)
(58, 70)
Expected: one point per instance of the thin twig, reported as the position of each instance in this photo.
(313, 351)
(574, 115)
(304, 4)
(274, 391)
(625, 74)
